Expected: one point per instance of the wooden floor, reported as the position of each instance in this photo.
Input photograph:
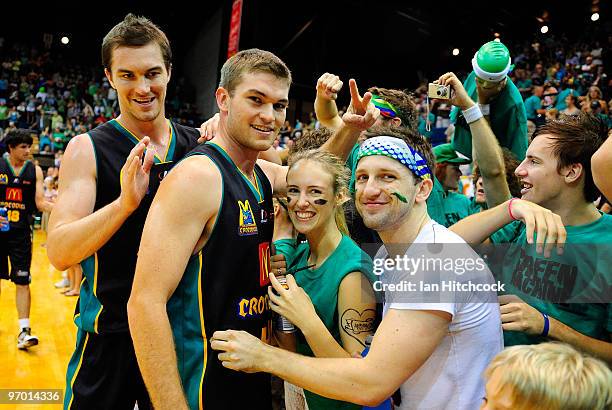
(43, 366)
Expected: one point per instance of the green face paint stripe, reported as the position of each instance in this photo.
(400, 197)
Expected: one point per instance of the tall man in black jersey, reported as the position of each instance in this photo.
(21, 192)
(204, 256)
(106, 184)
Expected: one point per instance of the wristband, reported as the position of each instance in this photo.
(472, 114)
(485, 109)
(546, 325)
(510, 208)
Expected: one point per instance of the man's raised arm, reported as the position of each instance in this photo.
(183, 210)
(486, 149)
(360, 116)
(75, 231)
(326, 110)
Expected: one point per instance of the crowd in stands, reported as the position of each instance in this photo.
(553, 80)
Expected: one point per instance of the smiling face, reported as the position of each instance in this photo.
(541, 182)
(310, 197)
(376, 178)
(255, 110)
(140, 78)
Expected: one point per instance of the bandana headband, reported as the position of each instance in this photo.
(386, 108)
(397, 149)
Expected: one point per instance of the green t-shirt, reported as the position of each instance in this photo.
(3, 112)
(447, 207)
(92, 90)
(532, 105)
(59, 140)
(525, 83)
(351, 163)
(322, 285)
(582, 274)
(507, 118)
(476, 207)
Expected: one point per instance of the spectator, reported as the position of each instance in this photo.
(594, 94)
(571, 108)
(551, 376)
(59, 139)
(533, 106)
(456, 205)
(56, 120)
(500, 101)
(540, 304)
(44, 141)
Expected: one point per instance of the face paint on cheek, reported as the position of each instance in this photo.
(289, 200)
(400, 197)
(320, 201)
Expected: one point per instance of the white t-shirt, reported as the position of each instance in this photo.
(451, 378)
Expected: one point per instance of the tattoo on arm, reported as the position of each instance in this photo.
(358, 324)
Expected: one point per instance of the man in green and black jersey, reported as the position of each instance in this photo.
(203, 262)
(107, 182)
(21, 193)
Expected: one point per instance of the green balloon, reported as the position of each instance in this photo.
(493, 57)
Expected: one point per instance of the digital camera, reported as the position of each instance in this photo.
(439, 91)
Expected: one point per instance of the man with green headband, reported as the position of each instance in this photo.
(397, 109)
(450, 341)
(499, 99)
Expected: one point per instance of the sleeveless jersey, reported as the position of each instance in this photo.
(17, 193)
(225, 287)
(109, 273)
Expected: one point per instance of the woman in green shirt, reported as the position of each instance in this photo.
(334, 306)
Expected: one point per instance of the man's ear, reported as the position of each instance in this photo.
(223, 96)
(397, 122)
(424, 189)
(169, 73)
(572, 173)
(109, 76)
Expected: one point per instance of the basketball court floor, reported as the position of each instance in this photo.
(42, 366)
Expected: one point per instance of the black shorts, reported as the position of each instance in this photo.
(103, 374)
(16, 245)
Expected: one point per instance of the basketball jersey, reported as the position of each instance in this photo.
(109, 272)
(17, 193)
(225, 287)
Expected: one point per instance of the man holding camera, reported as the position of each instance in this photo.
(445, 205)
(499, 100)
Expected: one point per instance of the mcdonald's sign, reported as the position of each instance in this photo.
(14, 194)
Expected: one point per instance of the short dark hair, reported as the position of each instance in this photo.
(404, 103)
(410, 136)
(575, 140)
(311, 140)
(135, 31)
(252, 61)
(17, 137)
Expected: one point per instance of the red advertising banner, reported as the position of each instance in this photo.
(234, 31)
